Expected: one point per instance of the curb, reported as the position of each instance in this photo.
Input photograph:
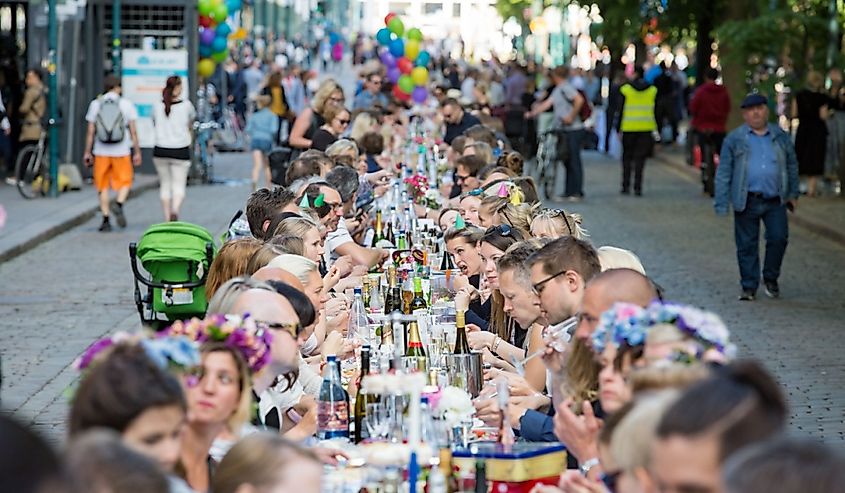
(71, 222)
(816, 227)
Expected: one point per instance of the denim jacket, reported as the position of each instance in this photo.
(732, 173)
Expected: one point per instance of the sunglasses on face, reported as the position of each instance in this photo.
(343, 122)
(336, 100)
(292, 328)
(461, 178)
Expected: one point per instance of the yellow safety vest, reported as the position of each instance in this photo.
(638, 112)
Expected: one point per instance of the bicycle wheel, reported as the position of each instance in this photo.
(28, 171)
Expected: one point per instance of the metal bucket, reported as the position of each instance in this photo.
(466, 371)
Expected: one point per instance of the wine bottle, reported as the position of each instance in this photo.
(415, 349)
(362, 399)
(407, 294)
(461, 342)
(365, 291)
(379, 235)
(333, 404)
(418, 301)
(392, 297)
(480, 476)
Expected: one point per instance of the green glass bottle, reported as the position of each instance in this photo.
(461, 342)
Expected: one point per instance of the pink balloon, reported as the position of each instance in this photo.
(337, 52)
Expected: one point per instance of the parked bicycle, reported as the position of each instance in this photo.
(202, 168)
(547, 161)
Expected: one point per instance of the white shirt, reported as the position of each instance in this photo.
(130, 114)
(336, 238)
(172, 132)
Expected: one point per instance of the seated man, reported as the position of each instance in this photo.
(340, 241)
(323, 199)
(263, 204)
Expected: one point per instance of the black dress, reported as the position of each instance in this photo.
(322, 139)
(811, 137)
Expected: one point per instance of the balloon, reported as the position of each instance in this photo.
(220, 56)
(204, 7)
(387, 59)
(206, 21)
(337, 52)
(397, 48)
(333, 38)
(419, 75)
(388, 17)
(384, 36)
(233, 5)
(393, 74)
(396, 26)
(219, 13)
(406, 84)
(240, 34)
(402, 96)
(205, 51)
(420, 94)
(205, 67)
(207, 36)
(223, 30)
(415, 34)
(412, 49)
(219, 44)
(404, 65)
(422, 59)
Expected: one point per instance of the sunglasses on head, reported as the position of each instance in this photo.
(559, 212)
(504, 230)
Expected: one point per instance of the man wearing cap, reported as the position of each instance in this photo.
(758, 177)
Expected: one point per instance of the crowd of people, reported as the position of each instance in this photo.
(647, 395)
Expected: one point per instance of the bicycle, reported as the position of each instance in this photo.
(202, 169)
(547, 160)
(32, 169)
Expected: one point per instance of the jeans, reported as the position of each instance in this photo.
(574, 168)
(636, 147)
(747, 234)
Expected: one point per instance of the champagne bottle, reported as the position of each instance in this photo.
(392, 297)
(361, 399)
(365, 291)
(415, 349)
(333, 404)
(379, 235)
(407, 294)
(418, 302)
(461, 342)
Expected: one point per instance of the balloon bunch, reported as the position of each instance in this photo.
(404, 58)
(336, 42)
(214, 33)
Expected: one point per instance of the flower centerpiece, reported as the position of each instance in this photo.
(454, 406)
(422, 193)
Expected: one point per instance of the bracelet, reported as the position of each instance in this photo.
(495, 345)
(587, 465)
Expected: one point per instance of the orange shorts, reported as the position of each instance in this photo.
(116, 171)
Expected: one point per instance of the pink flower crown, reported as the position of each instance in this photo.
(242, 334)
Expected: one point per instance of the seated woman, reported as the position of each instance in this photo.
(554, 223)
(231, 261)
(463, 245)
(264, 462)
(495, 210)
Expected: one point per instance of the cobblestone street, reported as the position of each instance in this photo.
(57, 298)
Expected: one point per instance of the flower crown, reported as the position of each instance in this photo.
(626, 323)
(242, 334)
(175, 352)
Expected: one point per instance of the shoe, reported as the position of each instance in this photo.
(638, 193)
(105, 227)
(174, 217)
(771, 289)
(118, 215)
(559, 198)
(747, 295)
(625, 191)
(575, 198)
(11, 181)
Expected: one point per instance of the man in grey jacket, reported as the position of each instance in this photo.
(758, 177)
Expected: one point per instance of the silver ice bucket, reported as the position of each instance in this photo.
(465, 371)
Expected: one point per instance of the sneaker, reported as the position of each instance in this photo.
(11, 181)
(625, 191)
(174, 217)
(747, 295)
(575, 198)
(106, 226)
(118, 215)
(638, 193)
(771, 289)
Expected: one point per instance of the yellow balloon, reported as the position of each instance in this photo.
(412, 49)
(205, 67)
(420, 76)
(238, 35)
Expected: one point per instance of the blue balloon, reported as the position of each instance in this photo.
(422, 59)
(384, 36)
(223, 30)
(233, 5)
(397, 48)
(219, 44)
(205, 51)
(334, 38)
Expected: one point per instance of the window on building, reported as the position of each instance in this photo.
(456, 9)
(432, 8)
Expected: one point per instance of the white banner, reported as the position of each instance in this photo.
(145, 73)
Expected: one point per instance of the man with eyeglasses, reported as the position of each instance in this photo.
(456, 119)
(325, 200)
(466, 172)
(371, 96)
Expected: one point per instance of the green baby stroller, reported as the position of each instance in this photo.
(176, 256)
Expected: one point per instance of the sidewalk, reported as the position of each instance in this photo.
(30, 222)
(824, 216)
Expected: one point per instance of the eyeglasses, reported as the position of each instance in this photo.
(292, 328)
(376, 82)
(337, 100)
(461, 178)
(538, 287)
(550, 213)
(343, 122)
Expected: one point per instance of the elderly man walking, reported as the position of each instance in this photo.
(758, 177)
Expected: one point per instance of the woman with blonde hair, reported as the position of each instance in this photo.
(611, 257)
(311, 118)
(554, 223)
(231, 261)
(336, 118)
(267, 462)
(305, 228)
(362, 124)
(495, 210)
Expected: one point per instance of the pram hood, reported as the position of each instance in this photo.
(173, 241)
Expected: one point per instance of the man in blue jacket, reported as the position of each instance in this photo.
(758, 177)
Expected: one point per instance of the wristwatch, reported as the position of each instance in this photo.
(587, 465)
